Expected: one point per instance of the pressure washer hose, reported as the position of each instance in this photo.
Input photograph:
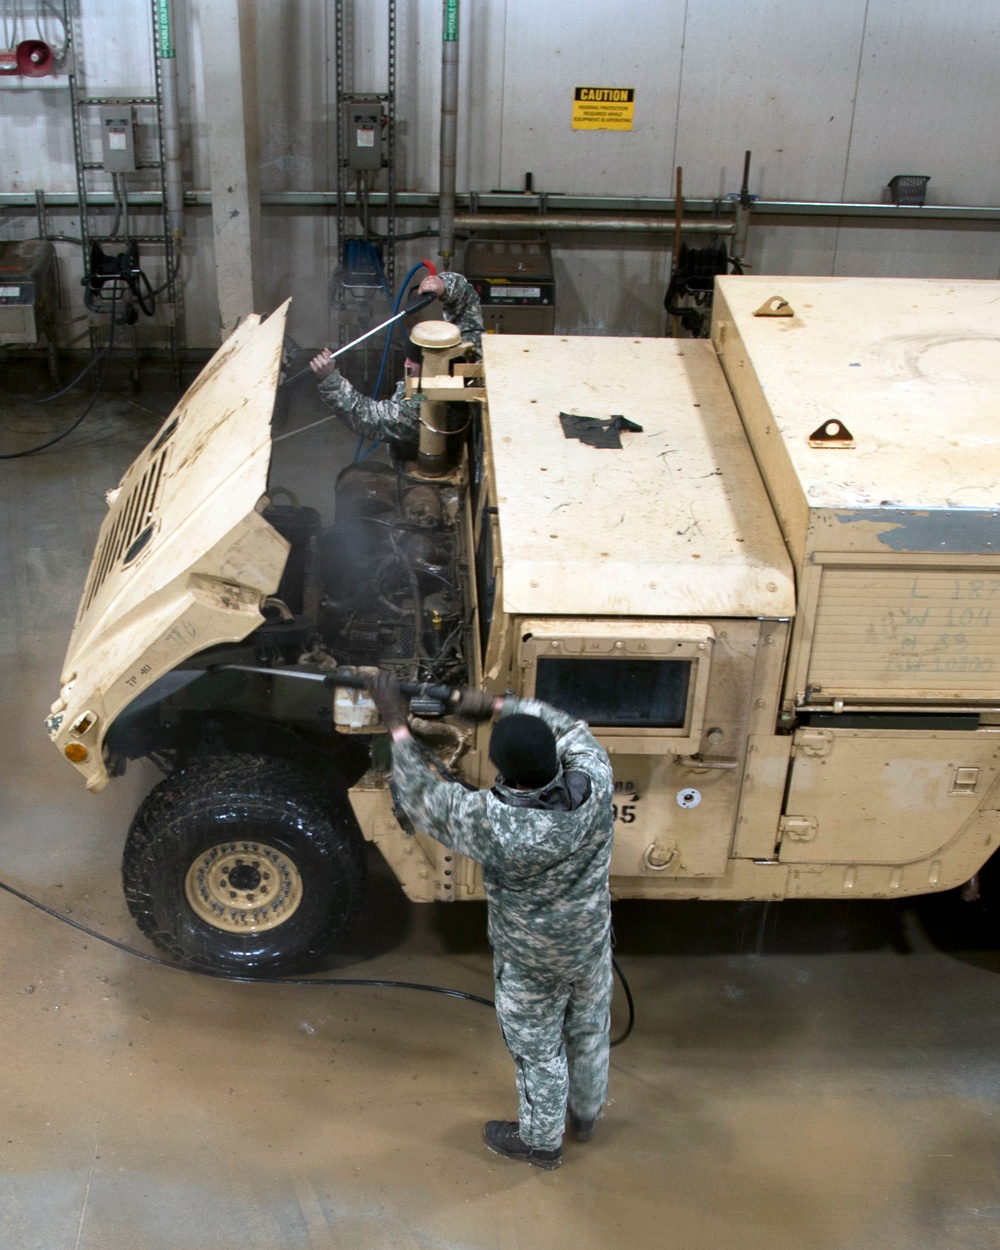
(355, 982)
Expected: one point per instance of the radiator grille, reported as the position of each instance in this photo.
(133, 514)
(906, 633)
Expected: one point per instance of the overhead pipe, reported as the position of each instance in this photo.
(173, 173)
(932, 215)
(574, 221)
(449, 133)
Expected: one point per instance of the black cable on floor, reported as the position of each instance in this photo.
(47, 399)
(106, 356)
(16, 455)
(628, 998)
(357, 982)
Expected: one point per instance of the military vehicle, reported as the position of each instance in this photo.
(777, 603)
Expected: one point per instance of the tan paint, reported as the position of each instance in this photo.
(210, 560)
(883, 797)
(676, 523)
(594, 554)
(895, 539)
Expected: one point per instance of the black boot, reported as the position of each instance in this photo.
(502, 1138)
(582, 1130)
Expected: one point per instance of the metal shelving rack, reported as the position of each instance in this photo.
(167, 291)
(342, 301)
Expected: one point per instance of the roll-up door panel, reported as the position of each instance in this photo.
(905, 633)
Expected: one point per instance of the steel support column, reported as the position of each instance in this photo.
(229, 55)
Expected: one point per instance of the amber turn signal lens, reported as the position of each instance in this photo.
(76, 753)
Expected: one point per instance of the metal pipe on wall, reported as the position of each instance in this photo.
(935, 216)
(449, 132)
(569, 221)
(173, 174)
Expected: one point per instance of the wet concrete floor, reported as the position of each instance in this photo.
(801, 1076)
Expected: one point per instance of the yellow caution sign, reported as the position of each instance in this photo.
(603, 108)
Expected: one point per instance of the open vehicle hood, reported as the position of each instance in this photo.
(184, 559)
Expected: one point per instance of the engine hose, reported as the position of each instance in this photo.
(355, 982)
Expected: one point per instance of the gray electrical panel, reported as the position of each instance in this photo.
(118, 139)
(363, 133)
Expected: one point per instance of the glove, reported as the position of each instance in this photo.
(473, 705)
(387, 697)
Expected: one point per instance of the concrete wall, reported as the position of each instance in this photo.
(832, 96)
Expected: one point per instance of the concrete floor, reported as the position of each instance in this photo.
(801, 1077)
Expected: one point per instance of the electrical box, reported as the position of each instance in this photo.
(363, 126)
(118, 139)
(28, 293)
(515, 285)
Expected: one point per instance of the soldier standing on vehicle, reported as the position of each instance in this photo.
(543, 835)
(398, 419)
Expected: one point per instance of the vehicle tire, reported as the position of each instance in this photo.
(244, 865)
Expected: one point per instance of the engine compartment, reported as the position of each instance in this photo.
(389, 575)
(382, 586)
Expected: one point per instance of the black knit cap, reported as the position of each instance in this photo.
(523, 749)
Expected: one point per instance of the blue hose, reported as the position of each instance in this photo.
(358, 457)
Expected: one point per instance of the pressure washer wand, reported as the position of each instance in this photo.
(345, 677)
(415, 307)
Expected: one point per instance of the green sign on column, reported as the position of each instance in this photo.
(164, 35)
(451, 21)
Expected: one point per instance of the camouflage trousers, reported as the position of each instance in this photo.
(557, 1032)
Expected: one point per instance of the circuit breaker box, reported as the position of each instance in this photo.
(364, 121)
(118, 139)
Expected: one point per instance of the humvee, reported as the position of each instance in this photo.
(777, 603)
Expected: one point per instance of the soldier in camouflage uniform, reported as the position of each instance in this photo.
(543, 836)
(398, 419)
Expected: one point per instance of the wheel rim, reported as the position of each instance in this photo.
(243, 887)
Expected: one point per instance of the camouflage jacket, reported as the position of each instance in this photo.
(545, 871)
(398, 419)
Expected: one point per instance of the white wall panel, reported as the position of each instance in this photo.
(928, 101)
(963, 251)
(295, 122)
(795, 245)
(611, 290)
(481, 90)
(550, 50)
(37, 141)
(776, 77)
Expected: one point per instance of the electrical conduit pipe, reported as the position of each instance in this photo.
(449, 132)
(173, 176)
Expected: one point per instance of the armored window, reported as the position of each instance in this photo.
(641, 685)
(619, 694)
